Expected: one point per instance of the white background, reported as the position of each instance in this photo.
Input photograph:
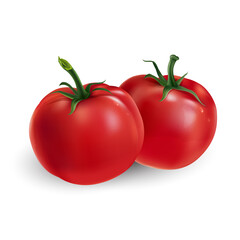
(108, 40)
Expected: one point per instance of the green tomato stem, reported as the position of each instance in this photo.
(81, 91)
(171, 83)
(83, 94)
(171, 80)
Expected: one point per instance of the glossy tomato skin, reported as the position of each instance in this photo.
(178, 129)
(98, 142)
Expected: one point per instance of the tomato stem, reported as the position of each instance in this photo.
(83, 94)
(171, 79)
(81, 91)
(171, 83)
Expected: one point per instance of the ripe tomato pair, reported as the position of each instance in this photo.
(93, 133)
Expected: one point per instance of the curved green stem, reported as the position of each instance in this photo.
(171, 79)
(171, 83)
(81, 93)
(68, 67)
(80, 88)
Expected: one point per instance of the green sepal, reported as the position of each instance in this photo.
(180, 79)
(91, 84)
(104, 89)
(166, 90)
(69, 95)
(68, 85)
(189, 91)
(163, 80)
(157, 79)
(74, 104)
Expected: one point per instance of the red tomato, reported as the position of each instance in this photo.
(180, 127)
(97, 142)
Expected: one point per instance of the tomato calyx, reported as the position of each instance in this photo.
(80, 93)
(171, 83)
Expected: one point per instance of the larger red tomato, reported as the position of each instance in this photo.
(180, 127)
(99, 140)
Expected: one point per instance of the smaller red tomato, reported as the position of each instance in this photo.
(179, 117)
(97, 141)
